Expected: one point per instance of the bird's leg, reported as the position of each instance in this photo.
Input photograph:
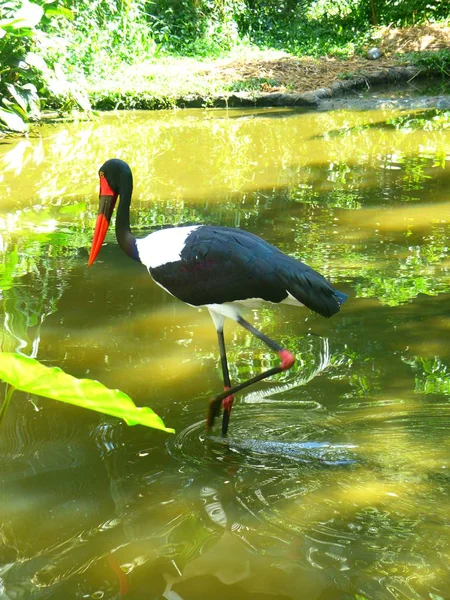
(287, 360)
(227, 402)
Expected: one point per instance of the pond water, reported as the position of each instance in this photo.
(334, 481)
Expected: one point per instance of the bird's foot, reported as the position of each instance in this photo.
(215, 405)
(213, 412)
(226, 400)
(287, 359)
(227, 403)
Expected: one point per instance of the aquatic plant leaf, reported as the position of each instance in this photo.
(29, 375)
(13, 121)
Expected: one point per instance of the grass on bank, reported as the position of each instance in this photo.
(159, 82)
(99, 55)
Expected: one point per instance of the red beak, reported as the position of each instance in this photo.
(107, 201)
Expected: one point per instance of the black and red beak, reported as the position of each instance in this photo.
(107, 201)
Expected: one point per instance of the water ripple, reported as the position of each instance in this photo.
(270, 439)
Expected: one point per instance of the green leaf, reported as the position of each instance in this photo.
(13, 121)
(73, 209)
(29, 15)
(82, 99)
(27, 100)
(59, 11)
(30, 94)
(36, 61)
(29, 375)
(13, 106)
(21, 101)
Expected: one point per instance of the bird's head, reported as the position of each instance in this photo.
(111, 183)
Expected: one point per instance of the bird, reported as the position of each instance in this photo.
(220, 268)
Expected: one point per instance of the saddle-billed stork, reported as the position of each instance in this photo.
(216, 267)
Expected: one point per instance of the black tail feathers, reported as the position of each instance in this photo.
(309, 287)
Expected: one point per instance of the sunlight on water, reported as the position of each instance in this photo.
(333, 482)
(400, 218)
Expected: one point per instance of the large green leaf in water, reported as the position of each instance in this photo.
(29, 375)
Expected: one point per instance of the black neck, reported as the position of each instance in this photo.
(126, 239)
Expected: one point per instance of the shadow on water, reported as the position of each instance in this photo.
(333, 481)
(414, 120)
(269, 113)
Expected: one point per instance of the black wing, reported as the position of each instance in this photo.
(222, 264)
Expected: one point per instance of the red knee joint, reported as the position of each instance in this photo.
(227, 402)
(287, 359)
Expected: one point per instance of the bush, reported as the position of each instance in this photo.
(196, 27)
(437, 62)
(104, 33)
(27, 79)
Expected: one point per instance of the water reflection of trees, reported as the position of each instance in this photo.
(199, 154)
(31, 284)
(375, 376)
(431, 375)
(344, 201)
(212, 167)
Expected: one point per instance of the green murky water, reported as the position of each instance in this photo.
(334, 482)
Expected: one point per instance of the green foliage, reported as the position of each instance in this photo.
(103, 34)
(253, 84)
(197, 27)
(432, 375)
(117, 100)
(311, 27)
(17, 91)
(27, 76)
(358, 13)
(410, 12)
(318, 27)
(51, 49)
(429, 120)
(435, 62)
(29, 375)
